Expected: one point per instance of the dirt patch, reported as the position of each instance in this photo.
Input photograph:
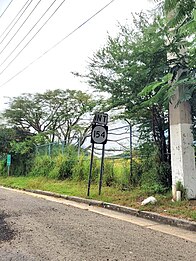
(6, 233)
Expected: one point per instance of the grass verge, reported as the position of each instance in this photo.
(164, 206)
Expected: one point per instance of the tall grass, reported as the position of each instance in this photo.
(117, 172)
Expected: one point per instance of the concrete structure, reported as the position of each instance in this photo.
(182, 150)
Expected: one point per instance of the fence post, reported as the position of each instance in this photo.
(49, 149)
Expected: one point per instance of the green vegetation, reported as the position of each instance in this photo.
(131, 198)
(134, 69)
(65, 174)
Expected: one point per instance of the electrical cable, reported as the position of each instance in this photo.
(118, 128)
(125, 138)
(6, 8)
(122, 133)
(18, 31)
(16, 20)
(31, 37)
(55, 45)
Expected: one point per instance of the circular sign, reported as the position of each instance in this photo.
(99, 134)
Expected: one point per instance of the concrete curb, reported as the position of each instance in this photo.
(181, 223)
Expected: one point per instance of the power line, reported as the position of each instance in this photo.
(31, 37)
(124, 138)
(55, 45)
(6, 8)
(118, 128)
(16, 20)
(113, 133)
(17, 32)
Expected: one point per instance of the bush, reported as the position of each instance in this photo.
(42, 166)
(3, 168)
(95, 169)
(81, 168)
(108, 175)
(57, 167)
(153, 188)
(66, 167)
(122, 175)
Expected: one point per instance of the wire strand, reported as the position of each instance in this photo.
(6, 8)
(16, 20)
(31, 37)
(17, 32)
(55, 45)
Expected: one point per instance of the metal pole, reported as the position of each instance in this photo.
(8, 170)
(90, 173)
(101, 170)
(131, 154)
(49, 149)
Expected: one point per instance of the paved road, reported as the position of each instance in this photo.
(32, 228)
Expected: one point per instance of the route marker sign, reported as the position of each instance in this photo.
(99, 134)
(101, 118)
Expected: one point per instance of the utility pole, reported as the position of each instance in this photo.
(181, 142)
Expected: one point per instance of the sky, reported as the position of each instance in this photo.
(53, 70)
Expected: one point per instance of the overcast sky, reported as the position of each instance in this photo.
(54, 69)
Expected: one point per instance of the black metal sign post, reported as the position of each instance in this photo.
(102, 169)
(99, 136)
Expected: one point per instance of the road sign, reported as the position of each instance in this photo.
(100, 118)
(8, 159)
(99, 134)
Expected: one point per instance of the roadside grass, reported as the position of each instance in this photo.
(130, 198)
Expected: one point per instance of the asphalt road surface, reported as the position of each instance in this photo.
(33, 228)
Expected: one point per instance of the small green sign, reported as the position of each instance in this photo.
(8, 159)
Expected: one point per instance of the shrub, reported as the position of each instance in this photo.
(57, 167)
(66, 167)
(81, 168)
(108, 175)
(42, 166)
(3, 168)
(154, 188)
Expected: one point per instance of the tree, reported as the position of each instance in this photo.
(182, 11)
(53, 114)
(10, 135)
(134, 59)
(20, 144)
(6, 136)
(181, 23)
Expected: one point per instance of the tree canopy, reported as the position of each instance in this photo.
(135, 70)
(53, 114)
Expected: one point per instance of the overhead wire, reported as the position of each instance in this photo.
(18, 31)
(118, 128)
(6, 8)
(59, 42)
(31, 37)
(25, 8)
